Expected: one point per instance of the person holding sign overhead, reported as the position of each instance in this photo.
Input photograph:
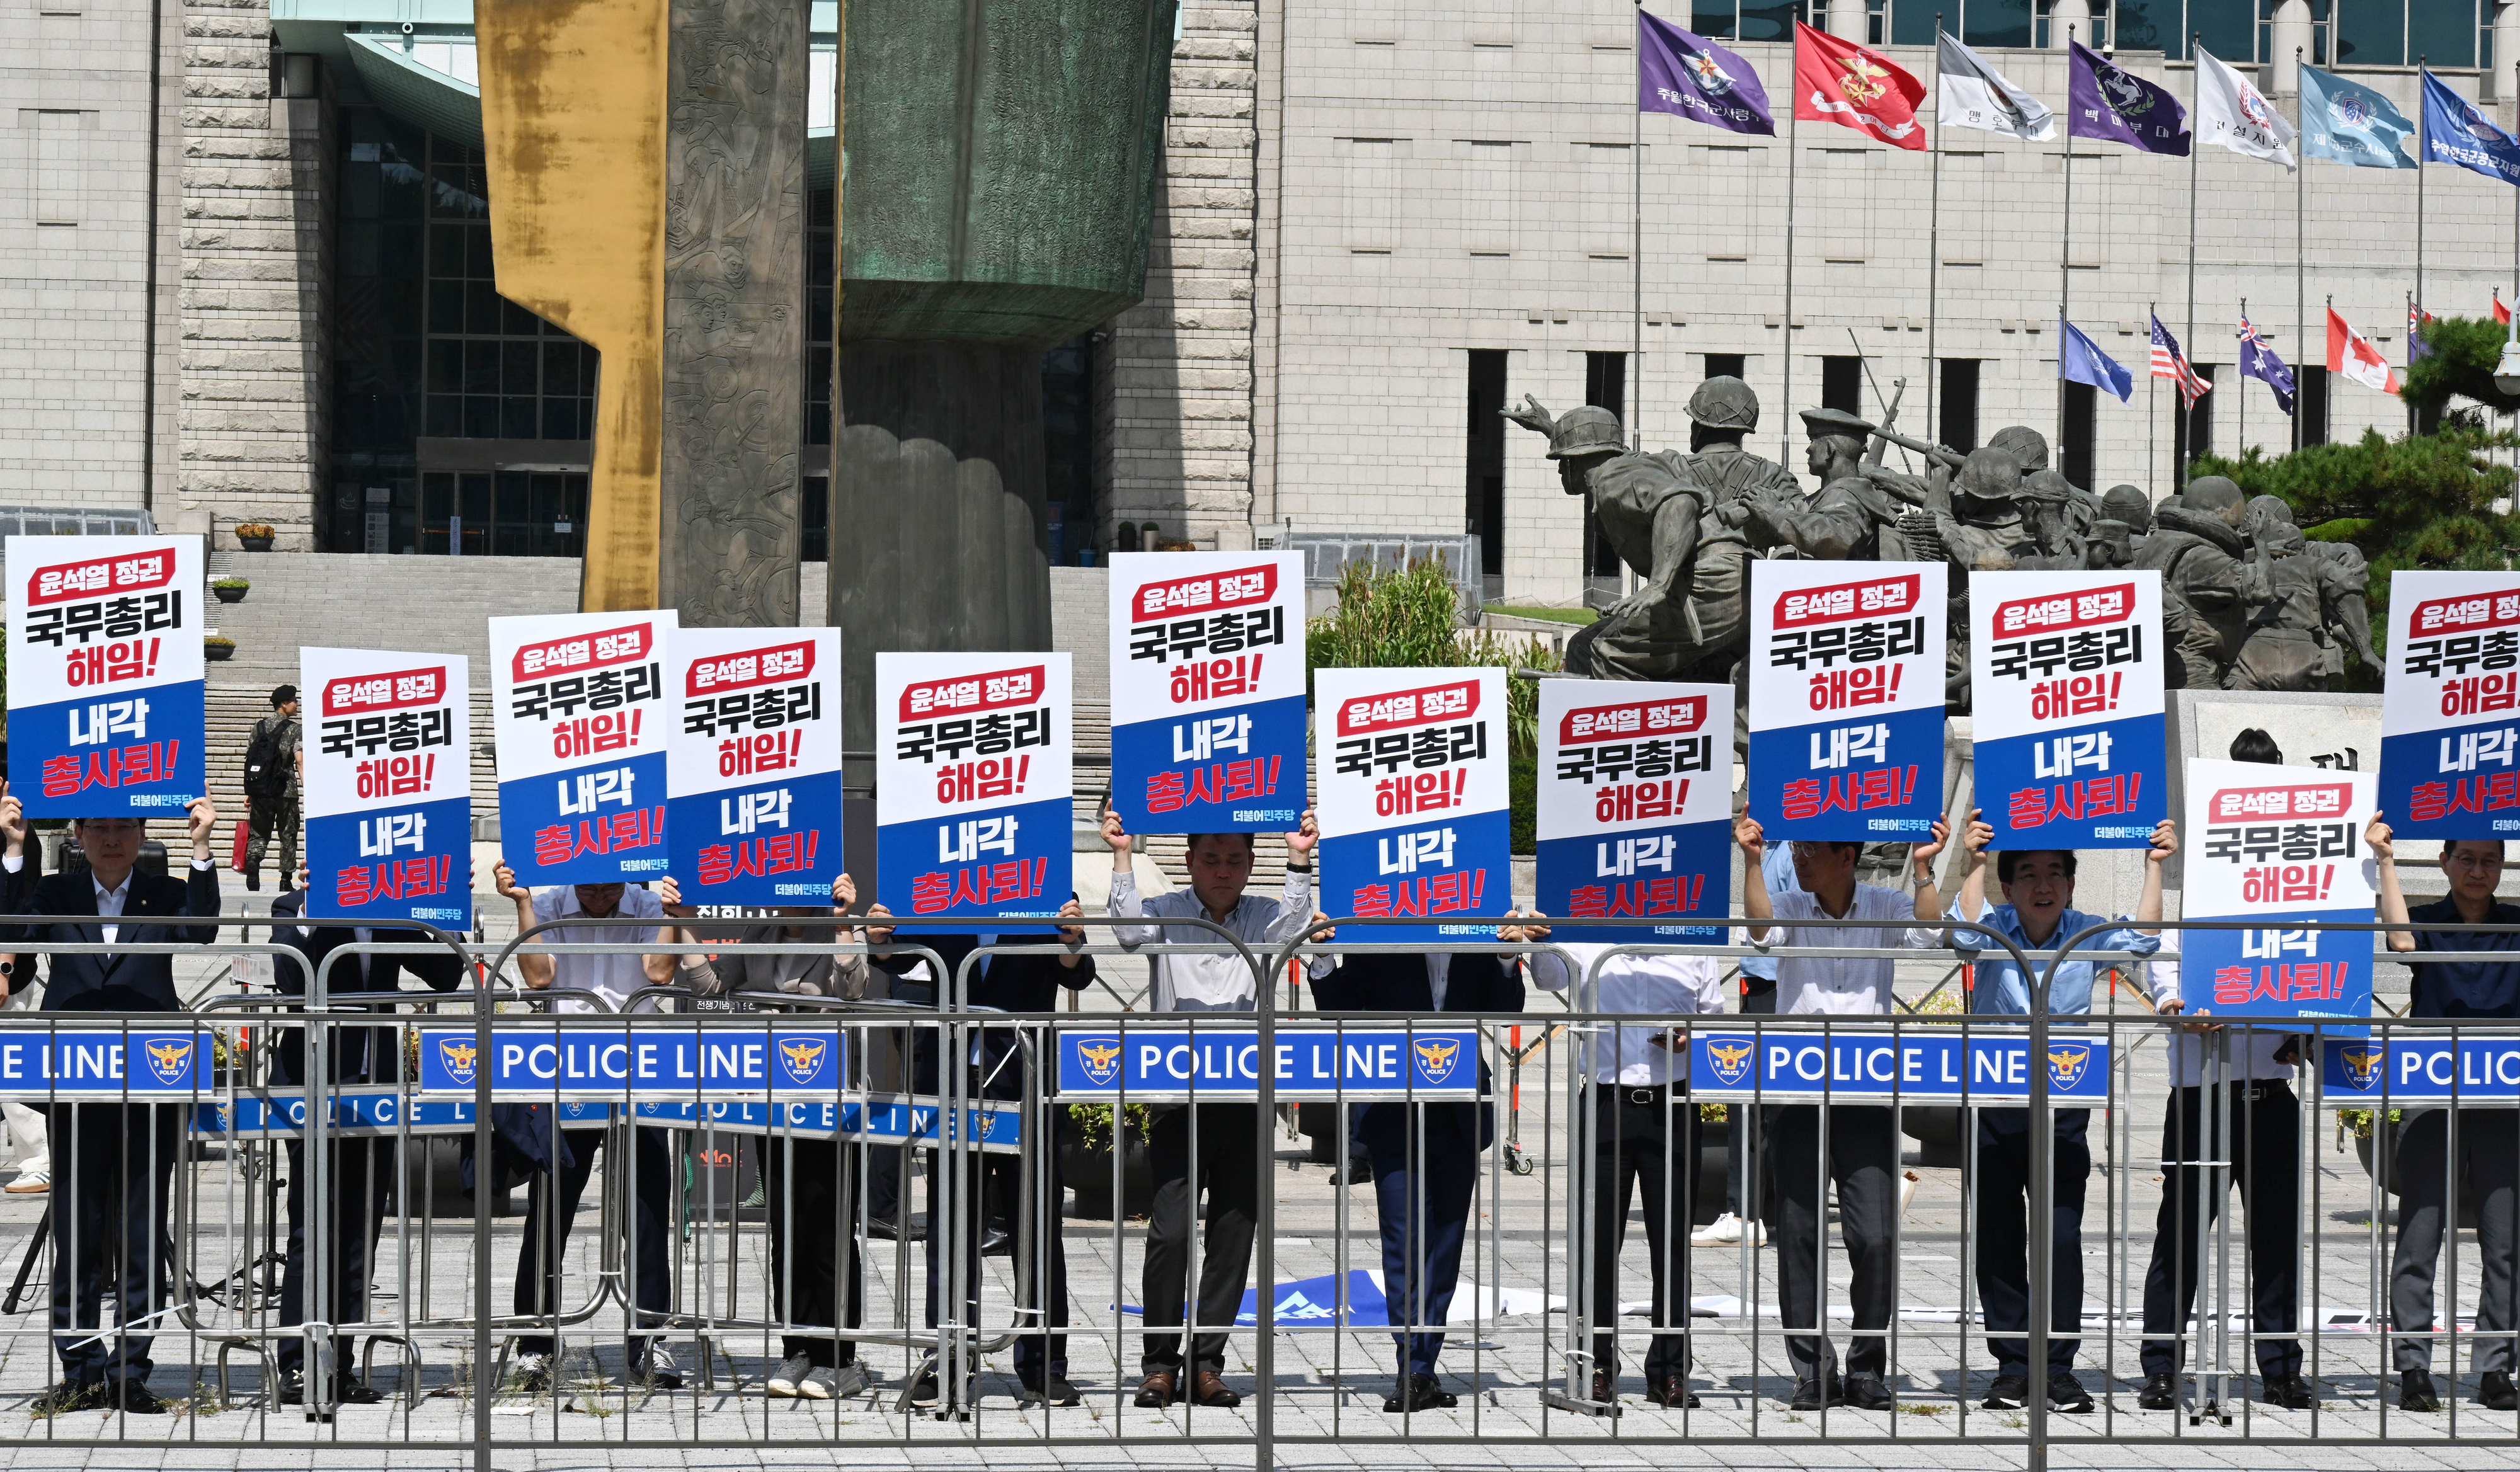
(2037, 914)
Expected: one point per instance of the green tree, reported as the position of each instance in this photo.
(2459, 363)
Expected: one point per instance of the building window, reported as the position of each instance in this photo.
(2194, 433)
(1841, 384)
(2075, 455)
(1484, 490)
(503, 514)
(495, 370)
(2311, 405)
(1606, 385)
(1955, 405)
(1727, 364)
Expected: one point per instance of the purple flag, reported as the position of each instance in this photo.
(2106, 100)
(1680, 73)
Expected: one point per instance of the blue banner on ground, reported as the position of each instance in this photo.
(1940, 1066)
(537, 1061)
(1222, 1063)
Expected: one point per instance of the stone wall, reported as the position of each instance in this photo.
(256, 382)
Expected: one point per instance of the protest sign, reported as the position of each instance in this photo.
(2065, 672)
(1207, 690)
(2450, 720)
(577, 703)
(1415, 803)
(1846, 698)
(753, 766)
(974, 785)
(389, 751)
(1635, 805)
(105, 676)
(2276, 846)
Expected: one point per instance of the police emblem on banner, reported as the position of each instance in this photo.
(1436, 1057)
(1730, 1059)
(2067, 1062)
(1098, 1059)
(456, 1058)
(801, 1057)
(170, 1060)
(2363, 1062)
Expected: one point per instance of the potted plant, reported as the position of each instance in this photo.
(1085, 1160)
(230, 590)
(217, 646)
(254, 536)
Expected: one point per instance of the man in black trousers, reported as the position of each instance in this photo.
(1426, 1155)
(359, 1166)
(113, 1164)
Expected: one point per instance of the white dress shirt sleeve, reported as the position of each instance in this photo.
(1125, 904)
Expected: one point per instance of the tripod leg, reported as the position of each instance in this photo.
(26, 1264)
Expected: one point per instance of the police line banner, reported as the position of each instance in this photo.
(753, 766)
(1921, 1065)
(2072, 744)
(974, 783)
(1156, 1064)
(1207, 690)
(94, 1065)
(388, 753)
(2449, 717)
(105, 676)
(2278, 847)
(370, 1112)
(578, 704)
(2421, 1068)
(1635, 811)
(535, 1059)
(1846, 698)
(1414, 800)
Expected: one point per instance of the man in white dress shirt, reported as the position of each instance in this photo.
(1863, 1148)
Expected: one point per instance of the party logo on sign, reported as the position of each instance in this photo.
(1437, 1055)
(1729, 1057)
(1099, 1057)
(459, 1059)
(170, 1059)
(800, 1057)
(2363, 1062)
(2067, 1062)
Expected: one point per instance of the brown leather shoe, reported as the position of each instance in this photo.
(1672, 1393)
(1605, 1388)
(1158, 1390)
(1208, 1388)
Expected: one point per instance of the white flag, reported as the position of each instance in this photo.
(1974, 95)
(2236, 115)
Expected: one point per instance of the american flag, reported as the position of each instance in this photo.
(2168, 362)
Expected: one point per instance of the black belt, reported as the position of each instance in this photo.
(1653, 1093)
(2247, 1091)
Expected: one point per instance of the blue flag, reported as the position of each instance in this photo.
(2258, 361)
(2079, 360)
(1681, 73)
(2346, 123)
(2458, 131)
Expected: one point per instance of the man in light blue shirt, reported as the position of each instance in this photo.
(2037, 914)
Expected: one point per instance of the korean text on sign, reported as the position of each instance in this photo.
(1633, 817)
(1413, 801)
(753, 766)
(1846, 698)
(2450, 720)
(388, 784)
(2277, 847)
(2071, 727)
(1207, 690)
(105, 675)
(973, 787)
(578, 708)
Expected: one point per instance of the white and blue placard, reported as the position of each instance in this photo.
(1415, 806)
(105, 676)
(1914, 1066)
(2066, 671)
(530, 1059)
(101, 1065)
(577, 702)
(974, 781)
(1155, 1064)
(754, 765)
(2278, 847)
(1635, 806)
(389, 753)
(1207, 690)
(2422, 1066)
(2450, 720)
(1846, 699)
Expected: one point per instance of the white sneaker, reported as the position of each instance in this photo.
(827, 1383)
(790, 1376)
(29, 1184)
(1725, 1230)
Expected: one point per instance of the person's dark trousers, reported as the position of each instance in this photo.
(362, 1178)
(883, 1183)
(1645, 1140)
(1863, 1156)
(650, 1220)
(1423, 1183)
(814, 1267)
(265, 819)
(1227, 1170)
(1759, 995)
(1041, 1259)
(2266, 1159)
(2489, 1155)
(2003, 1186)
(113, 1166)
(991, 1187)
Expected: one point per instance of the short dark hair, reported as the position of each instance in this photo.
(282, 696)
(2449, 846)
(1195, 839)
(2255, 745)
(2006, 859)
(1833, 844)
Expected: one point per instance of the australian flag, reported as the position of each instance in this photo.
(2258, 361)
(1683, 73)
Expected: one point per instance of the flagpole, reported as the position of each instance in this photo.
(2151, 416)
(2195, 101)
(1793, 136)
(1635, 405)
(2300, 244)
(2424, 127)
(1934, 251)
(2240, 392)
(2065, 271)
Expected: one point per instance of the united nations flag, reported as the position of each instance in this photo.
(2067, 1062)
(1728, 1059)
(457, 1056)
(170, 1060)
(1098, 1059)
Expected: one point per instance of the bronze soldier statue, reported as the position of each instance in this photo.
(2197, 548)
(2306, 606)
(1844, 519)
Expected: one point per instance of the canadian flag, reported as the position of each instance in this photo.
(2501, 312)
(2349, 353)
(1838, 81)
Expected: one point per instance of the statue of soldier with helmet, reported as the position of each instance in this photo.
(1677, 520)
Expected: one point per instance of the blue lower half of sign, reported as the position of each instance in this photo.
(1443, 870)
(2101, 785)
(2280, 966)
(2460, 782)
(386, 865)
(765, 843)
(370, 1112)
(1223, 1063)
(103, 1064)
(988, 863)
(1229, 769)
(118, 753)
(1914, 1067)
(531, 1063)
(599, 824)
(2424, 1069)
(1658, 876)
(1855, 779)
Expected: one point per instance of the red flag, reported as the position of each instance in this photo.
(2351, 355)
(1838, 81)
(2501, 313)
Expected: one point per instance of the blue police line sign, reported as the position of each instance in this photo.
(2428, 1069)
(103, 1064)
(540, 1061)
(1942, 1066)
(1221, 1063)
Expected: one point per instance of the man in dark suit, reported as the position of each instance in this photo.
(113, 1164)
(1425, 1156)
(359, 1167)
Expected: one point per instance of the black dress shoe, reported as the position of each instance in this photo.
(1208, 1388)
(68, 1397)
(1053, 1391)
(132, 1398)
(997, 1243)
(2160, 1391)
(1605, 1389)
(347, 1391)
(1419, 1393)
(1672, 1393)
(884, 1230)
(2292, 1392)
(1867, 1393)
(2495, 1391)
(1810, 1395)
(2415, 1391)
